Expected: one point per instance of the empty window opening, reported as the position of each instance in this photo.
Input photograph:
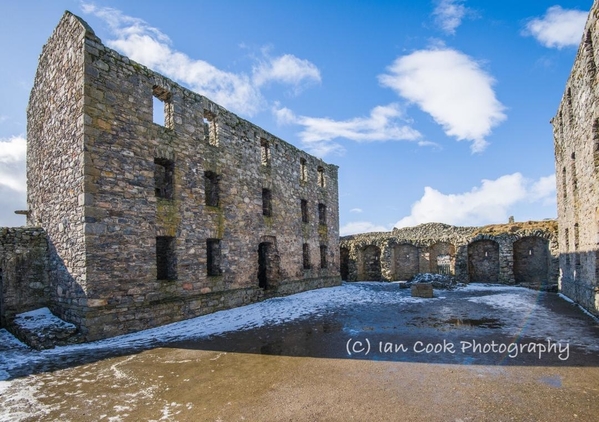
(530, 252)
(304, 204)
(211, 187)
(588, 46)
(210, 129)
(573, 171)
(322, 214)
(166, 261)
(323, 256)
(306, 256)
(486, 254)
(596, 143)
(564, 184)
(162, 107)
(303, 170)
(213, 257)
(264, 152)
(569, 102)
(567, 242)
(266, 202)
(321, 181)
(164, 171)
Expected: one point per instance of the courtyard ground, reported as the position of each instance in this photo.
(361, 351)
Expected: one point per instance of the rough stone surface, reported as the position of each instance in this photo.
(23, 271)
(153, 222)
(470, 254)
(422, 290)
(42, 330)
(576, 142)
(438, 281)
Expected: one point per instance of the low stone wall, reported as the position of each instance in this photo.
(524, 253)
(23, 271)
(109, 321)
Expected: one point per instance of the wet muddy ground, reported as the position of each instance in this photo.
(363, 351)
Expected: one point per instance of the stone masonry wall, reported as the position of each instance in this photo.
(202, 193)
(23, 271)
(55, 162)
(576, 142)
(473, 254)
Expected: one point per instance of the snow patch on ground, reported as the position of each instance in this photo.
(523, 312)
(39, 319)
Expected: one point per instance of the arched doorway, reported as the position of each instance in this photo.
(371, 263)
(406, 261)
(442, 258)
(483, 261)
(344, 263)
(531, 260)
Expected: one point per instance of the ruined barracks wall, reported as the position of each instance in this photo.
(153, 222)
(576, 141)
(23, 271)
(517, 253)
(55, 160)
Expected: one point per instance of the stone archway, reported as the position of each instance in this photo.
(344, 263)
(371, 263)
(442, 258)
(531, 261)
(407, 263)
(483, 261)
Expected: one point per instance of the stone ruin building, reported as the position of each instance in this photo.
(134, 223)
(517, 253)
(576, 141)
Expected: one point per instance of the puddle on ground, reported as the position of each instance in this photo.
(553, 381)
(455, 323)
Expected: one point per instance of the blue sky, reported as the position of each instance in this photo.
(433, 110)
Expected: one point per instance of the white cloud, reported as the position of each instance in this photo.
(238, 92)
(449, 14)
(558, 28)
(319, 133)
(361, 227)
(13, 185)
(13, 153)
(286, 69)
(489, 203)
(356, 210)
(544, 190)
(452, 88)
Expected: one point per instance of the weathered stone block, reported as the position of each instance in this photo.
(422, 290)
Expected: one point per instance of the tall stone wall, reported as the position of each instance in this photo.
(153, 221)
(23, 271)
(55, 161)
(576, 142)
(471, 254)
